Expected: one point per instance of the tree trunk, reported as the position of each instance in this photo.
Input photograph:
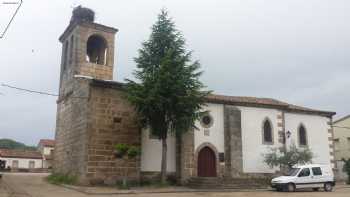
(178, 158)
(164, 161)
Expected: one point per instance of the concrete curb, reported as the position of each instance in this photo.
(185, 190)
(189, 190)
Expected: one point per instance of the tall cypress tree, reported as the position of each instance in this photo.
(168, 95)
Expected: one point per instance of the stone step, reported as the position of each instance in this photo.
(219, 183)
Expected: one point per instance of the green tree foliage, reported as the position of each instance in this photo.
(287, 158)
(346, 168)
(11, 144)
(168, 95)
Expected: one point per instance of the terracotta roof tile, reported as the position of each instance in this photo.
(47, 142)
(236, 100)
(20, 154)
(264, 102)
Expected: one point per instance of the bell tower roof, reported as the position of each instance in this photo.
(86, 24)
(82, 16)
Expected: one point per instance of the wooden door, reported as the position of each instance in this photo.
(206, 163)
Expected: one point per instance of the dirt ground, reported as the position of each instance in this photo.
(33, 185)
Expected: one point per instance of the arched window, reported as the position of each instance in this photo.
(267, 132)
(96, 50)
(302, 136)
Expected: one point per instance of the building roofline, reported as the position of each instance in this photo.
(230, 100)
(23, 154)
(341, 119)
(98, 26)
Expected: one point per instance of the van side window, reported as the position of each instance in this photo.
(304, 172)
(317, 171)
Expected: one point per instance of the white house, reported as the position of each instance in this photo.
(19, 159)
(46, 148)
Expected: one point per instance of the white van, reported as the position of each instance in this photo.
(306, 176)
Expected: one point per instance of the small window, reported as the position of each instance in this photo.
(267, 132)
(206, 120)
(317, 171)
(15, 164)
(31, 164)
(302, 136)
(96, 50)
(304, 172)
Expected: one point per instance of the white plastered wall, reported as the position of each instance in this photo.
(216, 131)
(22, 163)
(252, 140)
(151, 153)
(47, 150)
(317, 134)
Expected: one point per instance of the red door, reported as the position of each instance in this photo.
(206, 163)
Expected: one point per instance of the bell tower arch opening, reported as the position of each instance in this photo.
(96, 50)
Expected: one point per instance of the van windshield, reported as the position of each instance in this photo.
(293, 172)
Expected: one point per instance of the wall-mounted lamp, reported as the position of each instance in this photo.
(288, 134)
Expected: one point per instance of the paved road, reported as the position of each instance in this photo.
(33, 185)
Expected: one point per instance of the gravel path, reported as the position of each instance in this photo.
(34, 185)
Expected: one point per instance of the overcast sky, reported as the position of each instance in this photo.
(293, 50)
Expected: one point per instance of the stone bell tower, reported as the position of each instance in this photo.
(87, 55)
(87, 48)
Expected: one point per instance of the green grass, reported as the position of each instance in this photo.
(151, 184)
(59, 179)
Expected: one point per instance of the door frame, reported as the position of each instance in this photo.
(217, 163)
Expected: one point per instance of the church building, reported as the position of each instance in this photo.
(93, 116)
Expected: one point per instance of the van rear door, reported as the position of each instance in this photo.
(317, 176)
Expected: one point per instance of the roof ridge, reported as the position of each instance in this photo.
(341, 119)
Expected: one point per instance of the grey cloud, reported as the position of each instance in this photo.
(293, 50)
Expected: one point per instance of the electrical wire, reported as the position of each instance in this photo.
(36, 92)
(27, 90)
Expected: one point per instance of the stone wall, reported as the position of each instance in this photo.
(112, 120)
(71, 127)
(185, 161)
(233, 142)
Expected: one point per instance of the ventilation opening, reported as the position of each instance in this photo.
(96, 51)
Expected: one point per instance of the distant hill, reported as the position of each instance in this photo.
(11, 144)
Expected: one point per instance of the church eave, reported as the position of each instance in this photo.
(259, 102)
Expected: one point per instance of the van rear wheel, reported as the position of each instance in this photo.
(328, 187)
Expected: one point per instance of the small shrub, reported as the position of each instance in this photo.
(346, 168)
(287, 158)
(133, 151)
(126, 184)
(59, 179)
(121, 148)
